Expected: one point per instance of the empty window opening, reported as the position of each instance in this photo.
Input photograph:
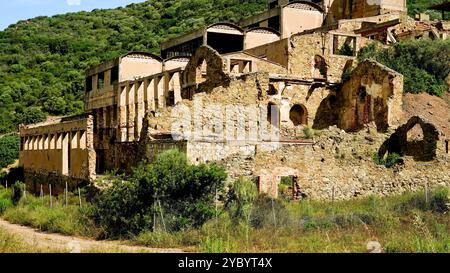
(240, 66)
(225, 43)
(201, 72)
(89, 83)
(101, 81)
(274, 23)
(415, 134)
(298, 115)
(115, 75)
(273, 115)
(272, 90)
(362, 94)
(446, 146)
(344, 45)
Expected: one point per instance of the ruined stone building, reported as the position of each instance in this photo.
(284, 71)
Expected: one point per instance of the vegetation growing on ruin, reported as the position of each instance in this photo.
(424, 63)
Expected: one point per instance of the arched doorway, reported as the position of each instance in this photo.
(298, 115)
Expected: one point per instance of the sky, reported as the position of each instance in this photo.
(15, 10)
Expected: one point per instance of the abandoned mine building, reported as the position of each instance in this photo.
(297, 63)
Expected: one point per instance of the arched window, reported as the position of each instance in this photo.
(298, 115)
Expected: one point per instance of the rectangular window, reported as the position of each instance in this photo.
(115, 75)
(89, 84)
(344, 45)
(101, 81)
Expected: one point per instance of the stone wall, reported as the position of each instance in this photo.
(307, 49)
(373, 92)
(339, 165)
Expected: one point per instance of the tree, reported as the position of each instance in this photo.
(9, 150)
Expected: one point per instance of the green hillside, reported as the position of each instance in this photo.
(42, 60)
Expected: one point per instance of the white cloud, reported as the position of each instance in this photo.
(73, 2)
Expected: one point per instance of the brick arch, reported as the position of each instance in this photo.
(215, 75)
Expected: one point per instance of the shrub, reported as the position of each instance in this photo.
(268, 212)
(390, 161)
(240, 197)
(9, 150)
(308, 132)
(440, 200)
(170, 189)
(18, 190)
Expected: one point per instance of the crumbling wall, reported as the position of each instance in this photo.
(373, 92)
(421, 149)
(338, 166)
(306, 48)
(215, 75)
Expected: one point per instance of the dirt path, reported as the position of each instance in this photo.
(63, 243)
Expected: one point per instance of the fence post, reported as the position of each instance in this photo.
(42, 195)
(162, 216)
(154, 214)
(50, 189)
(67, 190)
(332, 194)
(426, 193)
(79, 197)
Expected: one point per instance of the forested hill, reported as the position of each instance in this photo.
(42, 60)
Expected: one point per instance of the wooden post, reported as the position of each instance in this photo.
(332, 194)
(67, 202)
(426, 194)
(42, 195)
(162, 216)
(154, 215)
(79, 197)
(50, 189)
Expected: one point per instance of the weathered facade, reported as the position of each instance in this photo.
(244, 96)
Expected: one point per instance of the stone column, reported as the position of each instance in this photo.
(131, 111)
(139, 108)
(176, 87)
(122, 114)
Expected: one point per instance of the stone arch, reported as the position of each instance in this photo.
(422, 149)
(298, 115)
(215, 75)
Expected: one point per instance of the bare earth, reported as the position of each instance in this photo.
(61, 243)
